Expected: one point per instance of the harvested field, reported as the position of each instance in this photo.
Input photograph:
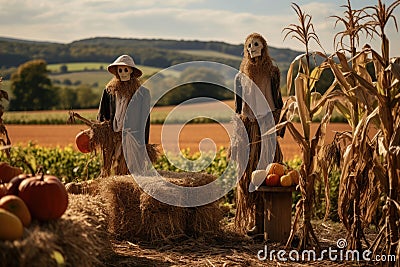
(190, 136)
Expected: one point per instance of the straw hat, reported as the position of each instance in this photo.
(124, 60)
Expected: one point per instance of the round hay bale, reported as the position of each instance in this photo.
(79, 238)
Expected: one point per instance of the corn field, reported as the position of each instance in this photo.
(368, 157)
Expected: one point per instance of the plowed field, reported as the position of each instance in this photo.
(189, 136)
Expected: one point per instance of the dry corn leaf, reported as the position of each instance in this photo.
(289, 80)
(301, 104)
(394, 68)
(315, 75)
(328, 95)
(343, 62)
(339, 75)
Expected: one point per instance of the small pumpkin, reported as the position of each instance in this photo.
(276, 168)
(11, 226)
(295, 175)
(286, 180)
(12, 188)
(3, 190)
(45, 196)
(82, 141)
(272, 180)
(258, 177)
(8, 172)
(16, 206)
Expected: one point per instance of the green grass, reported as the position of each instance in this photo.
(95, 66)
(85, 77)
(44, 117)
(79, 66)
(92, 76)
(210, 53)
(157, 116)
(61, 117)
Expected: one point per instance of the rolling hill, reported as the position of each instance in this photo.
(149, 52)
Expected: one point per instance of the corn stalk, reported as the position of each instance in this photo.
(367, 162)
(357, 194)
(306, 103)
(387, 92)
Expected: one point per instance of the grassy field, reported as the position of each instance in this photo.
(90, 66)
(158, 115)
(78, 66)
(210, 53)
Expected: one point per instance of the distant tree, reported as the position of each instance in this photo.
(68, 98)
(31, 87)
(67, 82)
(63, 68)
(86, 98)
(209, 88)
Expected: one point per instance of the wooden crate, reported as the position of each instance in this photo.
(277, 212)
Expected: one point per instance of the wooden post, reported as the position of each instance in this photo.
(277, 212)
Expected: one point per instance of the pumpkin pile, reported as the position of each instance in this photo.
(275, 174)
(26, 197)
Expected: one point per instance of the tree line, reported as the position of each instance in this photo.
(149, 52)
(32, 89)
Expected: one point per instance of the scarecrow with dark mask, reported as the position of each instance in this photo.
(258, 68)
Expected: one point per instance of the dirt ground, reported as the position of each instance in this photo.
(189, 137)
(228, 249)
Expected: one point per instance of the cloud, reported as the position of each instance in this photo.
(66, 21)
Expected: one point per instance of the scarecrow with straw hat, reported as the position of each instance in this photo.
(119, 91)
(258, 104)
(123, 88)
(122, 120)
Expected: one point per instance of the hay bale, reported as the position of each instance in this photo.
(80, 236)
(89, 187)
(135, 215)
(188, 179)
(121, 196)
(204, 220)
(160, 221)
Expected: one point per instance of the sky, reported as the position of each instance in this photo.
(228, 21)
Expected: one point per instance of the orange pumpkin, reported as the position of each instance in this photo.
(276, 168)
(272, 180)
(82, 141)
(45, 196)
(8, 172)
(12, 188)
